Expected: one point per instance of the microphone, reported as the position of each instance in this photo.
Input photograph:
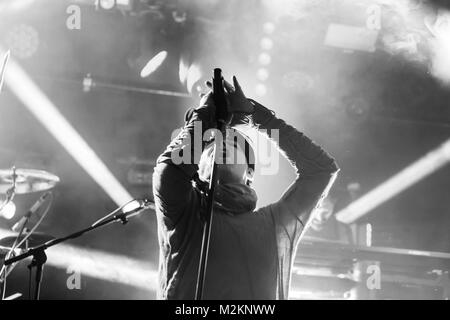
(20, 224)
(219, 98)
(130, 209)
(135, 207)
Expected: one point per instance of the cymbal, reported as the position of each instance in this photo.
(27, 180)
(34, 240)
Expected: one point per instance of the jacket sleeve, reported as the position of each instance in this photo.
(176, 168)
(316, 171)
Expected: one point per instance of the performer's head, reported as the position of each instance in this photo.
(323, 213)
(236, 160)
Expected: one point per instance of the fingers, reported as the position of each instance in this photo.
(236, 84)
(228, 86)
(205, 98)
(209, 85)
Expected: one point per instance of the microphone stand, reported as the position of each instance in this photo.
(10, 194)
(40, 257)
(221, 115)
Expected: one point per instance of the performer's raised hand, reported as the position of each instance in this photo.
(237, 101)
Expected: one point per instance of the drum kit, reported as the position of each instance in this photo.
(18, 182)
(24, 243)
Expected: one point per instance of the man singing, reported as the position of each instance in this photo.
(251, 250)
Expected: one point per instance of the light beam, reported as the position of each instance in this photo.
(51, 118)
(412, 174)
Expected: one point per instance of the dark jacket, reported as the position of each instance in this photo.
(251, 255)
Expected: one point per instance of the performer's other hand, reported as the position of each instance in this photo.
(206, 105)
(237, 101)
(206, 99)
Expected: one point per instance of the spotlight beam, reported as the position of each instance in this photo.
(409, 176)
(100, 265)
(52, 119)
(105, 266)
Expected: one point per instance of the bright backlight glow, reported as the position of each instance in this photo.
(52, 119)
(153, 64)
(8, 211)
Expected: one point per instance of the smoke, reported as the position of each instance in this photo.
(415, 30)
(440, 46)
(420, 34)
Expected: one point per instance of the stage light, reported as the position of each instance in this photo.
(183, 69)
(107, 4)
(124, 4)
(351, 37)
(269, 27)
(262, 74)
(194, 75)
(153, 64)
(266, 43)
(191, 75)
(8, 211)
(440, 45)
(368, 235)
(412, 174)
(52, 119)
(179, 17)
(264, 58)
